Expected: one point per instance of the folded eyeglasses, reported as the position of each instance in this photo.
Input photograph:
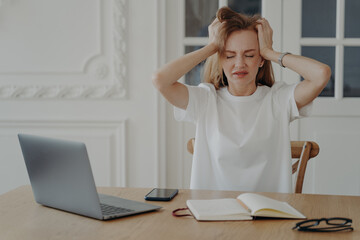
(333, 225)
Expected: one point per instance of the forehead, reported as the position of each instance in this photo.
(242, 40)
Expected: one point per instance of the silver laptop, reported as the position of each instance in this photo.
(61, 178)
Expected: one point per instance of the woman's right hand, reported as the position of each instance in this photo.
(213, 29)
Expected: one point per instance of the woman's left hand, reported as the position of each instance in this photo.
(265, 34)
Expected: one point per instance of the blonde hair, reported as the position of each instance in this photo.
(213, 72)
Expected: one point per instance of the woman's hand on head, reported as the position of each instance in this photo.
(265, 35)
(213, 29)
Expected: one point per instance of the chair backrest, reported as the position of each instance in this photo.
(301, 150)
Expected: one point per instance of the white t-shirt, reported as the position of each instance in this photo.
(242, 143)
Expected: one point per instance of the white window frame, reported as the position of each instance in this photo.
(339, 42)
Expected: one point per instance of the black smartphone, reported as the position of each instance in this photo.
(161, 194)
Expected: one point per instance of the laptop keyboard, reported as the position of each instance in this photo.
(111, 210)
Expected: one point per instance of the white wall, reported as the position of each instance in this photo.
(120, 130)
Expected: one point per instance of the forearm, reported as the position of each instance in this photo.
(174, 70)
(311, 70)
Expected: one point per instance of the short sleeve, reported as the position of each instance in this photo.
(198, 99)
(286, 99)
(295, 113)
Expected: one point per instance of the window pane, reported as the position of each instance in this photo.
(327, 56)
(352, 18)
(352, 72)
(249, 7)
(318, 18)
(194, 76)
(199, 15)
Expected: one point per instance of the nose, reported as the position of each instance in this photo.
(239, 61)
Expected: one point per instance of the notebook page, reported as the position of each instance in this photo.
(216, 207)
(256, 202)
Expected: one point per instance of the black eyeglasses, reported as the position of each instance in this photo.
(334, 225)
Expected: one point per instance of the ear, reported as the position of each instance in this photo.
(262, 62)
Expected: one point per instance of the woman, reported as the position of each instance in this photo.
(242, 116)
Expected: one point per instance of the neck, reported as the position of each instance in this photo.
(236, 90)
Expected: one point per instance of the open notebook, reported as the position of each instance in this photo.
(244, 207)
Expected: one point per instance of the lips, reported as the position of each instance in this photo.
(240, 73)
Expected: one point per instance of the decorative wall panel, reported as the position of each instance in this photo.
(105, 141)
(63, 49)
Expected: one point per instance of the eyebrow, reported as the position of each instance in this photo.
(248, 50)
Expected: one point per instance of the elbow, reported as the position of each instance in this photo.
(321, 77)
(325, 75)
(157, 80)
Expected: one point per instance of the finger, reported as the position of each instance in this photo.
(261, 23)
(265, 26)
(215, 22)
(266, 23)
(261, 28)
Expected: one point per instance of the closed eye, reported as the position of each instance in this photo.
(229, 57)
(249, 56)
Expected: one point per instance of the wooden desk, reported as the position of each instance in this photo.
(22, 218)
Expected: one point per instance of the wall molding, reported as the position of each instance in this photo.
(160, 116)
(113, 130)
(116, 89)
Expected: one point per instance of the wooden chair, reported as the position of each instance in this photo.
(301, 150)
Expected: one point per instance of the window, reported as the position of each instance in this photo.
(330, 34)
